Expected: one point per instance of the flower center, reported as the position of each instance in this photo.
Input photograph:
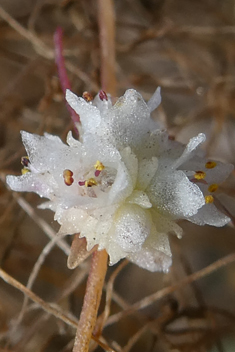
(98, 179)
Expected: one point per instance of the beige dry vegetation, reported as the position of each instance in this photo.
(186, 47)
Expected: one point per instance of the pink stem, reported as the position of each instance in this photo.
(63, 77)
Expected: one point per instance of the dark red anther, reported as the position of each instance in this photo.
(81, 183)
(97, 172)
(25, 161)
(103, 95)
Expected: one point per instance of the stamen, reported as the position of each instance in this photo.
(91, 182)
(87, 96)
(68, 177)
(210, 164)
(213, 187)
(103, 95)
(200, 175)
(209, 199)
(24, 171)
(25, 160)
(81, 183)
(97, 173)
(99, 167)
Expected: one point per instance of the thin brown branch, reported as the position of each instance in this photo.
(106, 18)
(47, 229)
(109, 293)
(148, 300)
(37, 266)
(42, 49)
(49, 308)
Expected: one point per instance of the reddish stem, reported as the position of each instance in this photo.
(63, 77)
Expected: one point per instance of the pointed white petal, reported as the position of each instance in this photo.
(89, 114)
(155, 100)
(174, 195)
(190, 149)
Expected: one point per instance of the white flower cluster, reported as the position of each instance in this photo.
(124, 185)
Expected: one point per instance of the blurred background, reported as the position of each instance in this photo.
(187, 48)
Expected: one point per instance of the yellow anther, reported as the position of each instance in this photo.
(213, 187)
(99, 166)
(24, 171)
(200, 175)
(209, 199)
(210, 164)
(91, 182)
(87, 96)
(67, 173)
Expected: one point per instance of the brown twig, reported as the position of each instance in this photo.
(49, 308)
(47, 229)
(37, 266)
(148, 300)
(42, 49)
(106, 18)
(109, 292)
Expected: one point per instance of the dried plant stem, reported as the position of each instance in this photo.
(109, 293)
(47, 249)
(49, 308)
(47, 229)
(40, 47)
(91, 301)
(107, 45)
(147, 301)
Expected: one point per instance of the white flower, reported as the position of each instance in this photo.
(125, 183)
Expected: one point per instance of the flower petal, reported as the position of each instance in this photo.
(155, 100)
(217, 174)
(146, 171)
(190, 149)
(210, 215)
(155, 254)
(132, 227)
(140, 198)
(129, 120)
(89, 114)
(175, 195)
(43, 185)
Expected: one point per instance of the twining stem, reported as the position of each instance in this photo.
(62, 72)
(106, 18)
(91, 301)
